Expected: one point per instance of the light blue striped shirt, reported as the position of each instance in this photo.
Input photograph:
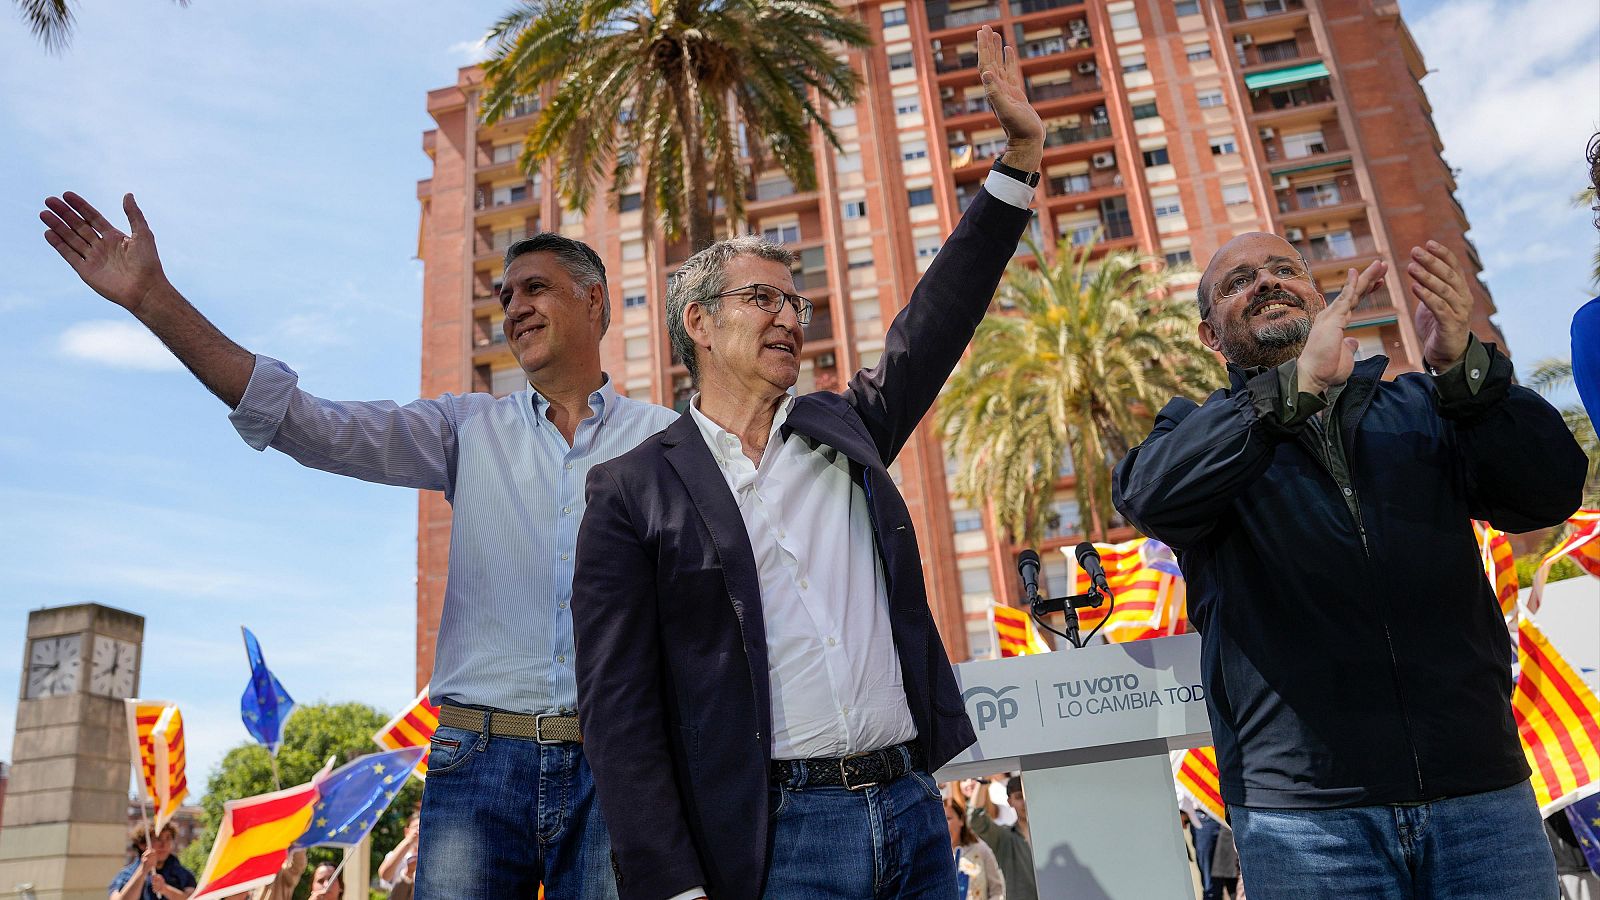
(516, 494)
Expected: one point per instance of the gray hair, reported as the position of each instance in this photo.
(576, 257)
(701, 278)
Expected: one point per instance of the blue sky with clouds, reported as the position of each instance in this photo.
(275, 149)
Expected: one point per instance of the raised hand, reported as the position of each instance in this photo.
(123, 268)
(1008, 97)
(1329, 357)
(1443, 320)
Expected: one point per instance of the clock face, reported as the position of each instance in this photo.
(113, 668)
(54, 666)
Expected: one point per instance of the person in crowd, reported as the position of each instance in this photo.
(1586, 324)
(325, 883)
(1356, 666)
(1222, 882)
(978, 875)
(283, 885)
(757, 663)
(399, 866)
(1012, 844)
(156, 874)
(513, 471)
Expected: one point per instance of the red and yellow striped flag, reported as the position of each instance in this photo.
(155, 738)
(1558, 719)
(1500, 565)
(1581, 546)
(1015, 633)
(413, 727)
(1150, 593)
(1196, 774)
(254, 839)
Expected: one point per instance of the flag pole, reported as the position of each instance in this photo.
(272, 756)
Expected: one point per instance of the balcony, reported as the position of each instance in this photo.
(1084, 183)
(1079, 134)
(821, 327)
(1026, 7)
(965, 106)
(1324, 199)
(485, 245)
(1059, 89)
(1249, 10)
(1307, 93)
(952, 61)
(1329, 250)
(520, 195)
(1305, 145)
(1289, 50)
(939, 18)
(1115, 228)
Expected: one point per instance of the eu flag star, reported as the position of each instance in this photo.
(388, 779)
(1596, 822)
(377, 768)
(322, 822)
(333, 834)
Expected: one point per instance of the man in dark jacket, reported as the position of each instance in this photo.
(1357, 669)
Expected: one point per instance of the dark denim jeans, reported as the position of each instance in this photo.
(1489, 846)
(832, 843)
(500, 815)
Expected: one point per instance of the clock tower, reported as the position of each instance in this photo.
(66, 811)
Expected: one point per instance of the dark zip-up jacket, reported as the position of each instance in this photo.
(1353, 651)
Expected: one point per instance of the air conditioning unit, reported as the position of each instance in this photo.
(1293, 234)
(1086, 67)
(1105, 160)
(825, 361)
(1282, 183)
(1268, 134)
(1244, 40)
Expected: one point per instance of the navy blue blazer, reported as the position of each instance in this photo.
(673, 691)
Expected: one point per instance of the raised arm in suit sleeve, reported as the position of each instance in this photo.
(928, 337)
(1524, 468)
(410, 446)
(1175, 484)
(620, 703)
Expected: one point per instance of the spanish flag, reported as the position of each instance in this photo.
(1149, 589)
(1499, 565)
(413, 727)
(1196, 774)
(1015, 633)
(1582, 545)
(254, 839)
(155, 738)
(1558, 719)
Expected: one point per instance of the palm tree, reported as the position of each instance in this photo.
(1076, 364)
(51, 20)
(662, 86)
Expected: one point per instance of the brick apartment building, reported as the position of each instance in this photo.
(1172, 125)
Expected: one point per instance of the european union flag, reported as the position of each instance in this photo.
(1584, 815)
(265, 704)
(353, 797)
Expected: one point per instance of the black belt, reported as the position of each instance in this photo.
(856, 771)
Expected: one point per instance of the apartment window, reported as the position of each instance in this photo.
(914, 150)
(1209, 98)
(507, 381)
(1186, 7)
(1145, 110)
(893, 17)
(632, 250)
(510, 194)
(1167, 206)
(1324, 193)
(905, 106)
(504, 153)
(859, 259)
(1198, 52)
(839, 117)
(976, 581)
(1156, 157)
(637, 348)
(849, 162)
(1236, 194)
(1304, 144)
(1134, 62)
(1179, 258)
(1333, 245)
(919, 196)
(901, 61)
(1062, 519)
(630, 202)
(1224, 145)
(634, 301)
(1126, 19)
(967, 520)
(855, 209)
(782, 234)
(926, 246)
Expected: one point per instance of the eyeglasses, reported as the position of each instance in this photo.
(771, 299)
(1241, 280)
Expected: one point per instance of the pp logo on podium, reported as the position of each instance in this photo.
(999, 710)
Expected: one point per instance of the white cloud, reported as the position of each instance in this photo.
(470, 52)
(122, 345)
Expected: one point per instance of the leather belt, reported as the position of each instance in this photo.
(548, 728)
(856, 771)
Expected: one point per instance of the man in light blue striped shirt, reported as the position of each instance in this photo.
(510, 799)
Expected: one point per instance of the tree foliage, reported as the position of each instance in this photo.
(51, 20)
(312, 735)
(1076, 362)
(660, 88)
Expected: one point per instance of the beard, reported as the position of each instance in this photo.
(1273, 343)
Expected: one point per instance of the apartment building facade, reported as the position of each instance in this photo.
(1172, 125)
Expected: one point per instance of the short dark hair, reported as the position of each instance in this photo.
(1014, 786)
(578, 258)
(1593, 155)
(137, 837)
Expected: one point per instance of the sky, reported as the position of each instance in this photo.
(275, 150)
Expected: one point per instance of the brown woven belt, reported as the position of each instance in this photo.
(549, 728)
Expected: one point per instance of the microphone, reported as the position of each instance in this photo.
(1028, 568)
(1089, 560)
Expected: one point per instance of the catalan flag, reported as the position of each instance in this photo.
(1558, 719)
(155, 739)
(1196, 774)
(1500, 565)
(1015, 633)
(254, 838)
(1581, 545)
(413, 727)
(1149, 588)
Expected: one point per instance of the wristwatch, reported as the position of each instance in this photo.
(1031, 179)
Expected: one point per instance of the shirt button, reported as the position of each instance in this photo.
(566, 510)
(804, 584)
(832, 642)
(845, 710)
(564, 556)
(569, 465)
(1348, 492)
(561, 606)
(1476, 372)
(561, 659)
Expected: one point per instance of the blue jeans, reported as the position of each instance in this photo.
(1483, 846)
(832, 843)
(501, 815)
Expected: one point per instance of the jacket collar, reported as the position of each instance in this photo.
(1369, 369)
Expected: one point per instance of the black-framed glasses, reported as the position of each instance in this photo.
(771, 299)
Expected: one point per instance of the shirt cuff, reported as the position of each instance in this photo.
(265, 402)
(1462, 381)
(693, 893)
(1007, 190)
(1294, 405)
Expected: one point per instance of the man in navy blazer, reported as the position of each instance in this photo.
(762, 689)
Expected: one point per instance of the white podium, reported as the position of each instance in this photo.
(1091, 730)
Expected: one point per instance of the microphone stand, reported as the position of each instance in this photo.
(1040, 607)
